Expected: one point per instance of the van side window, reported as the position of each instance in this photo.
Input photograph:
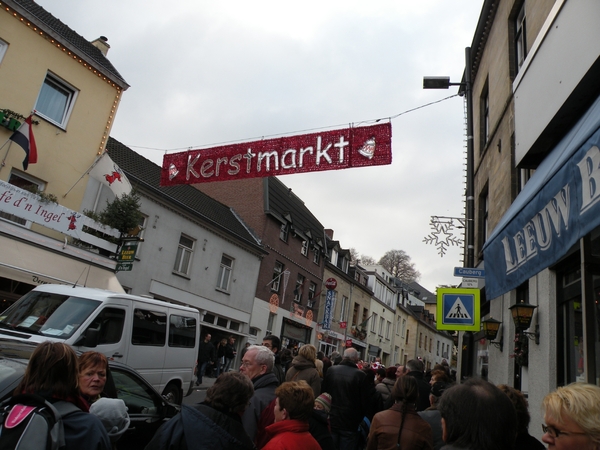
(182, 331)
(109, 324)
(149, 327)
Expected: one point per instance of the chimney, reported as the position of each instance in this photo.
(329, 233)
(101, 44)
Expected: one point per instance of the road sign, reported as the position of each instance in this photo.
(470, 283)
(331, 283)
(471, 273)
(458, 309)
(124, 266)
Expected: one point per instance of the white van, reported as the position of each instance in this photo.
(158, 339)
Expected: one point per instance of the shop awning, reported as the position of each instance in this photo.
(34, 265)
(559, 205)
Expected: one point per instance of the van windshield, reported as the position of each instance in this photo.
(46, 314)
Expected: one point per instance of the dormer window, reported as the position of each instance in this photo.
(283, 232)
(304, 249)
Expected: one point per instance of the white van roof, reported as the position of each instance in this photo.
(103, 294)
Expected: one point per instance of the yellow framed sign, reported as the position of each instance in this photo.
(458, 309)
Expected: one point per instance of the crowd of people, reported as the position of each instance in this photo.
(276, 402)
(359, 405)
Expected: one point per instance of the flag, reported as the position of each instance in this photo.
(108, 173)
(24, 137)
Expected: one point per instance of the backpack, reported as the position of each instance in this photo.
(30, 422)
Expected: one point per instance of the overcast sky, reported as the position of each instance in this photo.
(204, 73)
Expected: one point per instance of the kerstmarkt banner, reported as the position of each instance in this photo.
(327, 150)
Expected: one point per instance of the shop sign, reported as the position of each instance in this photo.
(329, 304)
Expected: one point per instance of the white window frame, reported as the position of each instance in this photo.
(381, 325)
(343, 308)
(71, 96)
(300, 280)
(3, 48)
(388, 330)
(185, 253)
(316, 255)
(374, 322)
(283, 232)
(304, 249)
(277, 274)
(225, 271)
(520, 38)
(312, 290)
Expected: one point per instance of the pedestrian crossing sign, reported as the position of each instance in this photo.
(458, 309)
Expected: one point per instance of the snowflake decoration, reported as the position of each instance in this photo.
(442, 235)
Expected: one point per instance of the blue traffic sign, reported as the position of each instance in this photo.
(469, 273)
(458, 309)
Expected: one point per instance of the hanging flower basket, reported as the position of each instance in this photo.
(521, 353)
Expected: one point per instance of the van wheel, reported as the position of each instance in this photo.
(172, 394)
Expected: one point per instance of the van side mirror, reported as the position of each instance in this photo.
(90, 338)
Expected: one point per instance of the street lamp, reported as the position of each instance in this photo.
(490, 328)
(522, 313)
(445, 83)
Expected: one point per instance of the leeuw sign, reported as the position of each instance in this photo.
(327, 150)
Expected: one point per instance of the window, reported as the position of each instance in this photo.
(142, 228)
(184, 255)
(316, 255)
(381, 325)
(520, 39)
(270, 323)
(388, 330)
(3, 47)
(182, 331)
(420, 340)
(343, 308)
(484, 108)
(438, 348)
(55, 100)
(374, 323)
(312, 290)
(407, 333)
(225, 273)
(304, 249)
(299, 288)
(277, 271)
(484, 204)
(355, 314)
(430, 341)
(149, 328)
(283, 232)
(23, 181)
(109, 324)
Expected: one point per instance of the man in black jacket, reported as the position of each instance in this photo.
(213, 424)
(206, 357)
(346, 384)
(416, 370)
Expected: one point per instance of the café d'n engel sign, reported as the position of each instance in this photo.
(328, 150)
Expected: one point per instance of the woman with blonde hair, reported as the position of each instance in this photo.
(572, 417)
(303, 367)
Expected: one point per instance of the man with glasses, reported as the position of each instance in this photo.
(572, 416)
(257, 365)
(273, 343)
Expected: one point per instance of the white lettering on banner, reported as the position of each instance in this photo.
(590, 178)
(537, 233)
(290, 158)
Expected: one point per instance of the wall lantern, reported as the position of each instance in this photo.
(522, 313)
(490, 328)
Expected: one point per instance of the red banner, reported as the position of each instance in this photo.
(328, 150)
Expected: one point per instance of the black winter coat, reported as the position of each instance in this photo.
(201, 428)
(350, 402)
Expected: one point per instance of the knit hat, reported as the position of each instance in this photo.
(325, 401)
(112, 412)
